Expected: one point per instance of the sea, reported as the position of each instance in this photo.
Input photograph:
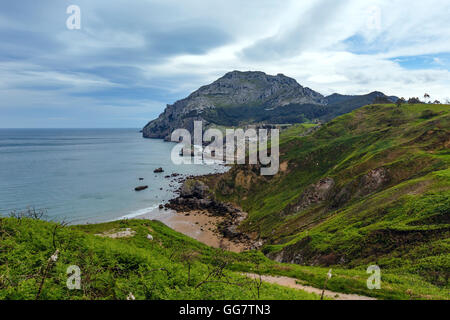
(88, 175)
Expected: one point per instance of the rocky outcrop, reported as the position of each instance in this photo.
(234, 89)
(326, 191)
(240, 98)
(195, 195)
(194, 189)
(373, 180)
(369, 182)
(315, 193)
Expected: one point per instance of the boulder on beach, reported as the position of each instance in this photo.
(194, 188)
(140, 188)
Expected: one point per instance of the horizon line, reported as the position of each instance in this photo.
(70, 128)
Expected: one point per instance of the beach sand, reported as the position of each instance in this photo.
(199, 225)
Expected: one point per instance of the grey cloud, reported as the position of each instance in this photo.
(309, 29)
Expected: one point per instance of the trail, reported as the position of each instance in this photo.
(291, 283)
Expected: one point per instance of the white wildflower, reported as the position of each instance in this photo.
(54, 257)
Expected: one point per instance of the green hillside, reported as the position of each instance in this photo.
(159, 268)
(171, 266)
(235, 115)
(253, 97)
(369, 187)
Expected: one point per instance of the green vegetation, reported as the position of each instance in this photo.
(369, 187)
(258, 112)
(242, 115)
(171, 266)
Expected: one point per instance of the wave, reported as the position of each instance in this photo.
(138, 213)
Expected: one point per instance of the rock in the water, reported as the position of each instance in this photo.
(158, 170)
(140, 188)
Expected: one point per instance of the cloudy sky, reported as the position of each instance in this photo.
(132, 57)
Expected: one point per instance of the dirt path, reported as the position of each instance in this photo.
(291, 283)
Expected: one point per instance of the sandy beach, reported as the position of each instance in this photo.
(199, 225)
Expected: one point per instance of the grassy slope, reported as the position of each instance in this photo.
(409, 142)
(112, 268)
(402, 225)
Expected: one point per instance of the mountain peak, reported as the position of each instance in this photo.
(258, 75)
(244, 88)
(240, 97)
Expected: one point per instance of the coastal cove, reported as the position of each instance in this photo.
(89, 175)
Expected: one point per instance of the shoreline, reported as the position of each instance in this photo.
(199, 225)
(195, 223)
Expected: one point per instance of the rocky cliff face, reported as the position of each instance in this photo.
(239, 98)
(235, 89)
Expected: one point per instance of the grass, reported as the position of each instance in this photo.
(389, 205)
(157, 269)
(400, 223)
(114, 268)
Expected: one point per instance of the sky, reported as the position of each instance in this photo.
(130, 58)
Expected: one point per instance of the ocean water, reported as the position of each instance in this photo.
(87, 175)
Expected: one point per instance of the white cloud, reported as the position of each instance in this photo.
(170, 48)
(321, 60)
(16, 74)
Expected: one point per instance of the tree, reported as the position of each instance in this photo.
(400, 101)
(217, 272)
(414, 100)
(31, 213)
(426, 96)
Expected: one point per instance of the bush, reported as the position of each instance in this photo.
(427, 114)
